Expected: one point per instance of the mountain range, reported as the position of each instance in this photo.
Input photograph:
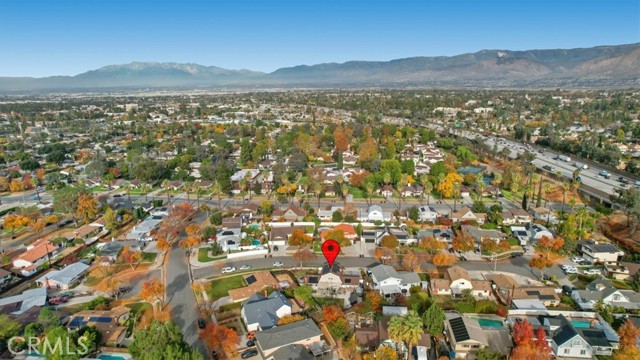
(596, 67)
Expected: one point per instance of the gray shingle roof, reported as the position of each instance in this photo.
(292, 352)
(565, 333)
(67, 274)
(262, 310)
(287, 334)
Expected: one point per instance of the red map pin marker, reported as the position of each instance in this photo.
(330, 250)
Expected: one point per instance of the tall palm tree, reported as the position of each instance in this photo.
(216, 189)
(496, 181)
(317, 189)
(345, 192)
(428, 189)
(166, 185)
(249, 178)
(146, 188)
(565, 188)
(406, 329)
(547, 189)
(127, 188)
(456, 193)
(369, 186)
(197, 187)
(480, 186)
(399, 187)
(187, 188)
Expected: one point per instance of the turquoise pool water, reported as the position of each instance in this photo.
(254, 226)
(255, 242)
(469, 170)
(581, 324)
(490, 323)
(111, 357)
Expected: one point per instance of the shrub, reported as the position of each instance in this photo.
(486, 307)
(464, 307)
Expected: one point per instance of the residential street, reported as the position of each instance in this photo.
(180, 298)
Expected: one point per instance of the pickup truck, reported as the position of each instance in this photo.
(564, 158)
(581, 166)
(549, 168)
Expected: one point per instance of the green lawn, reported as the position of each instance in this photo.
(231, 306)
(98, 189)
(220, 287)
(148, 257)
(203, 255)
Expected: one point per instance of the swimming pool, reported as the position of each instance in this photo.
(255, 242)
(111, 357)
(581, 324)
(490, 323)
(254, 226)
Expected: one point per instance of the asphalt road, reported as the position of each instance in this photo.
(180, 298)
(136, 283)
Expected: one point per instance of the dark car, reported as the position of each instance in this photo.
(566, 289)
(249, 353)
(214, 355)
(251, 343)
(202, 323)
(516, 254)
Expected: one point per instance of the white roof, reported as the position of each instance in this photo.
(28, 299)
(66, 275)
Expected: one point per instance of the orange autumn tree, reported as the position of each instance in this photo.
(130, 257)
(389, 241)
(373, 300)
(15, 221)
(526, 347)
(411, 262)
(628, 348)
(332, 313)
(303, 254)
(384, 254)
(444, 259)
(463, 242)
(341, 139)
(540, 261)
(551, 244)
(87, 207)
(299, 237)
(153, 290)
(162, 244)
(220, 337)
(190, 242)
(431, 245)
(446, 187)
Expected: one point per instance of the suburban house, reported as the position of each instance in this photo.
(63, 279)
(110, 323)
(457, 280)
(530, 233)
(37, 253)
(335, 282)
(4, 276)
(400, 233)
(520, 216)
(304, 333)
(479, 234)
(390, 282)
(602, 289)
(347, 229)
(465, 214)
(427, 213)
(326, 214)
(375, 213)
(291, 213)
(572, 341)
(262, 313)
(18, 304)
(595, 252)
(621, 270)
(255, 283)
(371, 336)
(545, 294)
(444, 235)
(544, 214)
(229, 239)
(465, 336)
(279, 236)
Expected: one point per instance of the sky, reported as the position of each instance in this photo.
(63, 37)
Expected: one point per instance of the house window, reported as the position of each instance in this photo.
(583, 352)
(575, 343)
(566, 351)
(347, 281)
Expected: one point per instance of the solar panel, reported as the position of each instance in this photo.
(77, 322)
(533, 292)
(251, 279)
(313, 279)
(100, 319)
(459, 330)
(546, 297)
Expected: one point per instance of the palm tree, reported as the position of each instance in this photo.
(248, 177)
(196, 187)
(166, 185)
(146, 188)
(317, 189)
(127, 188)
(216, 189)
(456, 193)
(406, 329)
(497, 179)
(370, 188)
(565, 188)
(345, 192)
(480, 186)
(187, 188)
(547, 190)
(244, 186)
(399, 187)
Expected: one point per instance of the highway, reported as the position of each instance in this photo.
(545, 157)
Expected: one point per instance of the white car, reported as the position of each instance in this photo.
(570, 271)
(278, 264)
(228, 269)
(593, 272)
(577, 260)
(245, 267)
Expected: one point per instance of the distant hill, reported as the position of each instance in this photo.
(602, 66)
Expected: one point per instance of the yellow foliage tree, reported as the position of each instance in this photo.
(290, 319)
(446, 187)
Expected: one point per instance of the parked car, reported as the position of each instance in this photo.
(245, 267)
(577, 260)
(58, 300)
(251, 343)
(592, 272)
(516, 254)
(228, 269)
(202, 323)
(67, 294)
(278, 264)
(570, 271)
(249, 353)
(566, 289)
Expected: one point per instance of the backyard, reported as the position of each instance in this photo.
(219, 288)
